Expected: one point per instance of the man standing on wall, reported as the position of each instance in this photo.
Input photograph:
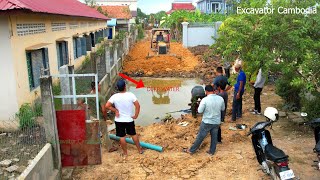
(238, 92)
(211, 107)
(258, 85)
(124, 102)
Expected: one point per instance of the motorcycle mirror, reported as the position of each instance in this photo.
(303, 114)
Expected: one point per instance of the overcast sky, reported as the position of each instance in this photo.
(154, 6)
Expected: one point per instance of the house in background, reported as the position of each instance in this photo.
(213, 6)
(120, 16)
(133, 6)
(42, 34)
(181, 5)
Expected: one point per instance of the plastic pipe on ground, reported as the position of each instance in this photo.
(142, 144)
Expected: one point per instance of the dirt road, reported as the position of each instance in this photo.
(234, 158)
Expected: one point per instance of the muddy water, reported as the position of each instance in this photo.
(162, 95)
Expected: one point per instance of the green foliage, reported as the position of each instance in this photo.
(289, 92)
(283, 43)
(312, 106)
(119, 37)
(91, 3)
(26, 116)
(140, 32)
(100, 50)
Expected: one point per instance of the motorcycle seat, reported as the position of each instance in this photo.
(275, 154)
(317, 148)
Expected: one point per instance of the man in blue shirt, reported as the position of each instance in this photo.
(211, 107)
(238, 92)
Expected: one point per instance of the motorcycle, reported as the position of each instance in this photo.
(315, 124)
(273, 160)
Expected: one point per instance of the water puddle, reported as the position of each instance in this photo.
(162, 95)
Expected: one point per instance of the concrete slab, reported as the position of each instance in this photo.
(12, 168)
(5, 163)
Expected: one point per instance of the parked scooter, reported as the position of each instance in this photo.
(273, 161)
(315, 124)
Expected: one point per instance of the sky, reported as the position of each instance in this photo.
(154, 6)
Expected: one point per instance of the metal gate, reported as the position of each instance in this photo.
(79, 136)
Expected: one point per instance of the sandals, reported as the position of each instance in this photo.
(186, 150)
(112, 149)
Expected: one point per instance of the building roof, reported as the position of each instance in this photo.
(119, 12)
(61, 7)
(181, 6)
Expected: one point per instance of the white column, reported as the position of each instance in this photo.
(185, 34)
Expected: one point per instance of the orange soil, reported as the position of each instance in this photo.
(137, 61)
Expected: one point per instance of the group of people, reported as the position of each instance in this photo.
(213, 106)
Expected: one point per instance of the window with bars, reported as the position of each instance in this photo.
(215, 7)
(58, 26)
(79, 47)
(30, 28)
(62, 53)
(37, 61)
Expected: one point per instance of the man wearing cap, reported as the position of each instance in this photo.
(238, 92)
(124, 102)
(211, 107)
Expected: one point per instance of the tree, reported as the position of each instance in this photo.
(288, 44)
(91, 3)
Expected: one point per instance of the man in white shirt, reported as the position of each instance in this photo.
(124, 120)
(258, 85)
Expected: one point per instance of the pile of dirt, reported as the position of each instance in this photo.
(180, 62)
(199, 50)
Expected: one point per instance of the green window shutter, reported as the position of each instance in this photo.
(30, 75)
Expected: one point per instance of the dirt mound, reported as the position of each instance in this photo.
(180, 62)
(199, 50)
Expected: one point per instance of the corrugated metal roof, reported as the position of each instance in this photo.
(62, 7)
(182, 6)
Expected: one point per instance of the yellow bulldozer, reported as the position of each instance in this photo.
(160, 42)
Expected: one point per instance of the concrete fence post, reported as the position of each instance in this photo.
(216, 28)
(65, 84)
(185, 34)
(115, 54)
(50, 120)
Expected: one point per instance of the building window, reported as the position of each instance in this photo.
(74, 25)
(79, 47)
(62, 53)
(215, 7)
(37, 64)
(58, 26)
(28, 29)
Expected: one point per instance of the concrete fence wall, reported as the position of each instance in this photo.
(113, 57)
(41, 167)
(199, 34)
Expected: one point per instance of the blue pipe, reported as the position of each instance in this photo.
(142, 144)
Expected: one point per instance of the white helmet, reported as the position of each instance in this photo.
(271, 113)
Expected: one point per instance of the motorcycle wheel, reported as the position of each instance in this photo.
(273, 173)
